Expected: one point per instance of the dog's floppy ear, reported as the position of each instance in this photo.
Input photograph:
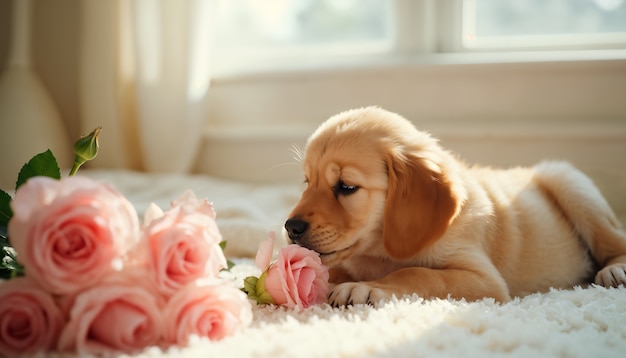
(420, 205)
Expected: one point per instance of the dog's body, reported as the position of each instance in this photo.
(392, 213)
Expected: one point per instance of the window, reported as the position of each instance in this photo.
(497, 24)
(270, 25)
(252, 31)
(294, 32)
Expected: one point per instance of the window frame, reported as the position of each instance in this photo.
(435, 36)
(608, 41)
(279, 94)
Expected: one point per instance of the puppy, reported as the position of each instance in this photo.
(391, 213)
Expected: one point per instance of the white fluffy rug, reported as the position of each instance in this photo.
(589, 322)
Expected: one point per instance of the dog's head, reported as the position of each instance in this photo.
(370, 175)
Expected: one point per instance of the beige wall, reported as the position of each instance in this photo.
(5, 26)
(55, 38)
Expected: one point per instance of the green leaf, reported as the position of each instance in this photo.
(4, 236)
(5, 208)
(255, 288)
(5, 274)
(263, 296)
(249, 287)
(249, 284)
(230, 265)
(43, 164)
(9, 266)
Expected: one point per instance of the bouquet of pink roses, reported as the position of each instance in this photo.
(85, 277)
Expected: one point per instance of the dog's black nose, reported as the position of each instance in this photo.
(296, 228)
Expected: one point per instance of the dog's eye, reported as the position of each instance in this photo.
(344, 189)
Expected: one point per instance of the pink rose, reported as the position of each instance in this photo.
(297, 279)
(122, 313)
(30, 322)
(265, 252)
(69, 233)
(214, 310)
(183, 243)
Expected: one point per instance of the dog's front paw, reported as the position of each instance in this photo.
(354, 293)
(612, 276)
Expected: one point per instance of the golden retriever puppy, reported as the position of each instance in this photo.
(391, 213)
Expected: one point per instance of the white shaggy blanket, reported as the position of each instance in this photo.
(582, 322)
(588, 322)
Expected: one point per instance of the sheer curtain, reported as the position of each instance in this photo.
(145, 73)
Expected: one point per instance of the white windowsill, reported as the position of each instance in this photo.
(260, 67)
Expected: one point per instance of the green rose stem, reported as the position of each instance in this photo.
(85, 149)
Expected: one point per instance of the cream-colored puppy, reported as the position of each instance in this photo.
(392, 213)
